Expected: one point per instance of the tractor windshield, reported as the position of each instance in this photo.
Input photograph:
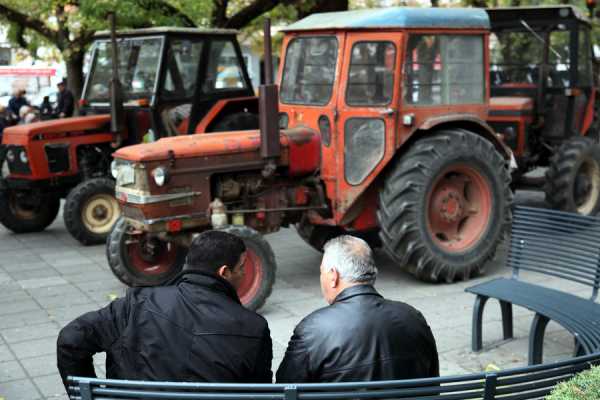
(138, 69)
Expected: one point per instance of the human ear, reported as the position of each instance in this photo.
(224, 272)
(333, 278)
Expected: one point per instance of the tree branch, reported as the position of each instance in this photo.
(247, 14)
(218, 18)
(167, 9)
(28, 22)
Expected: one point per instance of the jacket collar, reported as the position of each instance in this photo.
(358, 290)
(209, 281)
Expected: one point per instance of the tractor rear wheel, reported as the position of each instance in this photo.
(91, 210)
(445, 206)
(238, 121)
(259, 268)
(573, 177)
(138, 259)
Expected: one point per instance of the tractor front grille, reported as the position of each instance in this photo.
(58, 157)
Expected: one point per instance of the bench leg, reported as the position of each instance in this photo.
(476, 340)
(579, 349)
(536, 338)
(507, 319)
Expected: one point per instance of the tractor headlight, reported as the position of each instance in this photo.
(114, 169)
(23, 157)
(10, 155)
(160, 176)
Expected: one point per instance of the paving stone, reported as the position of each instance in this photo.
(40, 366)
(16, 307)
(51, 386)
(23, 389)
(34, 274)
(63, 315)
(10, 371)
(5, 353)
(21, 334)
(42, 281)
(28, 318)
(34, 348)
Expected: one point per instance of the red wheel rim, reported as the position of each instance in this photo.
(253, 276)
(458, 208)
(150, 256)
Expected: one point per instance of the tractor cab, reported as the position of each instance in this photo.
(541, 70)
(170, 78)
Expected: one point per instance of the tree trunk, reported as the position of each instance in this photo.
(75, 75)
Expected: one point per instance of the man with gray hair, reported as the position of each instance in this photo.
(360, 336)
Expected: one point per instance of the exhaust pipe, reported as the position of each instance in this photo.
(268, 105)
(117, 114)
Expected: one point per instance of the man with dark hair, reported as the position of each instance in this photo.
(194, 330)
(65, 104)
(360, 336)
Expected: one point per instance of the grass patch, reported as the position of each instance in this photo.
(583, 386)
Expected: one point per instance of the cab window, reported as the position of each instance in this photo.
(183, 58)
(309, 70)
(444, 69)
(371, 75)
(224, 70)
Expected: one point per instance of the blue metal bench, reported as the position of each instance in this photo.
(532, 382)
(558, 244)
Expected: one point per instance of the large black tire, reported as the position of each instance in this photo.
(445, 206)
(91, 210)
(132, 264)
(260, 267)
(239, 121)
(25, 211)
(573, 177)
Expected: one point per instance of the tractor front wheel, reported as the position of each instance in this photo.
(91, 210)
(445, 206)
(573, 178)
(139, 259)
(259, 268)
(26, 211)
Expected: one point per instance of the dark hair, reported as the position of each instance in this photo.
(212, 249)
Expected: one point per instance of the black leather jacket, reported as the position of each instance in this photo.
(196, 330)
(360, 337)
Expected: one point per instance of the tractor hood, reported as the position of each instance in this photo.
(16, 134)
(301, 146)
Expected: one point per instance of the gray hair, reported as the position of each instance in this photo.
(352, 258)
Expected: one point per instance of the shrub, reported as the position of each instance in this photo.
(583, 386)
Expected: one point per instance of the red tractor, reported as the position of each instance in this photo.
(173, 82)
(545, 101)
(382, 128)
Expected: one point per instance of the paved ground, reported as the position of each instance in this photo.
(47, 279)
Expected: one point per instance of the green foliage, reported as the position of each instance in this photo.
(584, 386)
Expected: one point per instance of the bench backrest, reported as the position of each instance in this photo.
(532, 382)
(556, 243)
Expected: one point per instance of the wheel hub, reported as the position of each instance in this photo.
(459, 208)
(451, 207)
(151, 248)
(100, 212)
